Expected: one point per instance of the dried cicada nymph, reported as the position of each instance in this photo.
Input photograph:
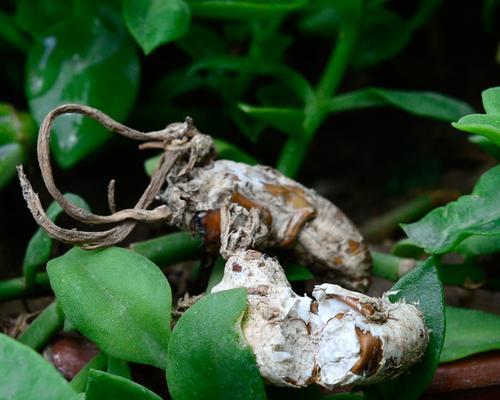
(199, 193)
(339, 338)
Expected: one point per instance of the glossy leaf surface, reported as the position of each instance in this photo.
(207, 358)
(25, 374)
(102, 385)
(421, 285)
(469, 332)
(153, 23)
(118, 299)
(475, 214)
(90, 59)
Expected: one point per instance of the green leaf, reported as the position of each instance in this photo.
(89, 60)
(383, 35)
(207, 358)
(102, 385)
(481, 124)
(37, 16)
(118, 299)
(421, 285)
(486, 125)
(24, 374)
(469, 332)
(424, 104)
(322, 18)
(479, 245)
(296, 272)
(445, 227)
(287, 120)
(39, 247)
(156, 22)
(79, 382)
(287, 76)
(243, 9)
(491, 100)
(201, 42)
(11, 154)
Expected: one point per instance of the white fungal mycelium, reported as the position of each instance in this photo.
(295, 217)
(338, 338)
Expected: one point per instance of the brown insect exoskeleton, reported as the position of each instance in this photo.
(206, 195)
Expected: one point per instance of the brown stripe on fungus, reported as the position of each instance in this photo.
(370, 354)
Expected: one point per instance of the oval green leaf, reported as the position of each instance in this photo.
(469, 332)
(102, 385)
(118, 299)
(89, 60)
(445, 227)
(24, 374)
(153, 23)
(207, 358)
(421, 285)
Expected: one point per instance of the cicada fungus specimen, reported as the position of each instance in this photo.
(199, 192)
(339, 337)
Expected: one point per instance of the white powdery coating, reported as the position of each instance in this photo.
(328, 242)
(298, 341)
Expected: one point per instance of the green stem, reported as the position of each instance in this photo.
(14, 288)
(337, 63)
(390, 267)
(43, 328)
(295, 149)
(79, 382)
(170, 249)
(10, 32)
